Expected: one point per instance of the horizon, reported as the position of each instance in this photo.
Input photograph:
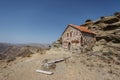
(30, 43)
(43, 21)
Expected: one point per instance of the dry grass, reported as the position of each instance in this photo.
(78, 67)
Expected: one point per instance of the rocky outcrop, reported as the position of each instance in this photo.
(107, 28)
(57, 44)
(107, 36)
(109, 19)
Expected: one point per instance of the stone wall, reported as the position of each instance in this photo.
(89, 40)
(74, 40)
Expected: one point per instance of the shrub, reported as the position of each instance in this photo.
(102, 17)
(88, 20)
(117, 13)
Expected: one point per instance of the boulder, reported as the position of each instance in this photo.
(47, 66)
(98, 48)
(101, 42)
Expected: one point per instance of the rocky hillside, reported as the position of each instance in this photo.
(10, 51)
(107, 30)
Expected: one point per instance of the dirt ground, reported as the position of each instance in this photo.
(77, 67)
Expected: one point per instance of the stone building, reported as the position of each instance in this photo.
(77, 38)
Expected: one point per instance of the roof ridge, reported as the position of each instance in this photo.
(82, 28)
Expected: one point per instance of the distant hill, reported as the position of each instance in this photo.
(10, 51)
(43, 46)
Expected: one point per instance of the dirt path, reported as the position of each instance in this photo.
(78, 67)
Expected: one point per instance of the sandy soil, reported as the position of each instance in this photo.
(78, 67)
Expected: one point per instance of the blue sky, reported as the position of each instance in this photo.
(43, 21)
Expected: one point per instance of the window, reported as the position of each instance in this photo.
(67, 34)
(81, 41)
(70, 34)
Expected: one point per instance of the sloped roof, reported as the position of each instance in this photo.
(82, 28)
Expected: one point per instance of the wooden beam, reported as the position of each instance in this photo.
(44, 72)
(56, 61)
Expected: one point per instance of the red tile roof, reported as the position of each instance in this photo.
(82, 28)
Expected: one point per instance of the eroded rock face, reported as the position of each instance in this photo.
(108, 37)
(108, 28)
(109, 19)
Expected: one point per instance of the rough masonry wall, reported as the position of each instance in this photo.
(89, 39)
(75, 40)
(72, 36)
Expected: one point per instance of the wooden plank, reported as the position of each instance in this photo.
(44, 72)
(56, 61)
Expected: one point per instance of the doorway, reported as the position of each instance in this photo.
(81, 41)
(69, 46)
